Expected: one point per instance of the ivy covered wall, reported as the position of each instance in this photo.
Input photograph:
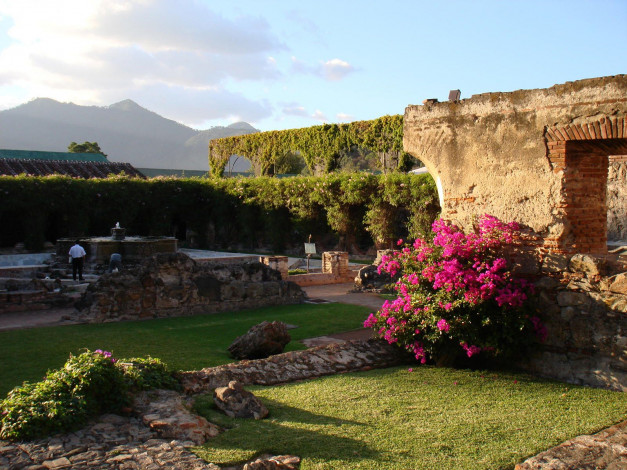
(321, 147)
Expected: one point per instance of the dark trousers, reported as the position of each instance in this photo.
(77, 265)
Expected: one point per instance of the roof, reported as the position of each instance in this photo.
(39, 155)
(155, 172)
(76, 169)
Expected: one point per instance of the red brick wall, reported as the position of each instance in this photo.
(582, 153)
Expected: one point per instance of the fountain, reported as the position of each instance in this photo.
(132, 249)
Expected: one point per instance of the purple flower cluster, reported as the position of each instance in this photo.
(454, 291)
(106, 354)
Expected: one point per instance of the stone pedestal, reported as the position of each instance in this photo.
(335, 262)
(118, 233)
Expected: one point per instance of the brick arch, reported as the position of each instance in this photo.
(581, 152)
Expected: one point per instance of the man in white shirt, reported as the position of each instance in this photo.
(78, 257)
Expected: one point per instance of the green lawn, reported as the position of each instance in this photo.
(185, 343)
(431, 418)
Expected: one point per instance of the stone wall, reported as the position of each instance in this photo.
(293, 366)
(553, 160)
(586, 319)
(172, 284)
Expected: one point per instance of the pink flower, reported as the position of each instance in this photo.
(539, 329)
(370, 321)
(470, 350)
(443, 325)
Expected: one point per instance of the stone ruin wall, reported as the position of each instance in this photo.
(553, 160)
(499, 153)
(173, 284)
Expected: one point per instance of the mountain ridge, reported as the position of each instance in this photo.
(125, 131)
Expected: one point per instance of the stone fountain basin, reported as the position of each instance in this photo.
(132, 249)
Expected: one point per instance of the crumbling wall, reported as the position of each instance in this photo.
(173, 284)
(518, 156)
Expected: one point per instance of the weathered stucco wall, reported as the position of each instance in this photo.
(617, 200)
(496, 152)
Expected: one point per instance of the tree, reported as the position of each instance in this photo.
(86, 147)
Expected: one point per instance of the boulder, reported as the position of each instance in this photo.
(261, 341)
(369, 278)
(236, 402)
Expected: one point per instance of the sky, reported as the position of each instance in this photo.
(289, 64)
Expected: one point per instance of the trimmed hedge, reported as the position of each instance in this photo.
(350, 211)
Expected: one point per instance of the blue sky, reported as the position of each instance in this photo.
(285, 64)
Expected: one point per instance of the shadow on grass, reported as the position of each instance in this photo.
(288, 430)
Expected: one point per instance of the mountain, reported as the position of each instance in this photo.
(125, 131)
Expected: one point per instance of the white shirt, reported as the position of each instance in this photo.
(77, 251)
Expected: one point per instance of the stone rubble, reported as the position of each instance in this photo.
(236, 402)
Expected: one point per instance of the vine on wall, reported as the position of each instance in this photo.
(320, 146)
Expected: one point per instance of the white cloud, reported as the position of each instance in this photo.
(90, 51)
(295, 110)
(336, 69)
(319, 116)
(332, 70)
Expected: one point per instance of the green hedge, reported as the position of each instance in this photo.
(353, 210)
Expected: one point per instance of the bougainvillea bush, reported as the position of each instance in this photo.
(457, 296)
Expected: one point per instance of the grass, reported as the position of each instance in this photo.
(184, 343)
(431, 418)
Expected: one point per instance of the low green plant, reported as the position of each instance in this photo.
(88, 384)
(145, 373)
(293, 272)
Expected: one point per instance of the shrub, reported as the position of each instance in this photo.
(89, 384)
(147, 373)
(456, 296)
(293, 272)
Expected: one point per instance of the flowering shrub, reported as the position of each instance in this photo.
(456, 296)
(87, 385)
